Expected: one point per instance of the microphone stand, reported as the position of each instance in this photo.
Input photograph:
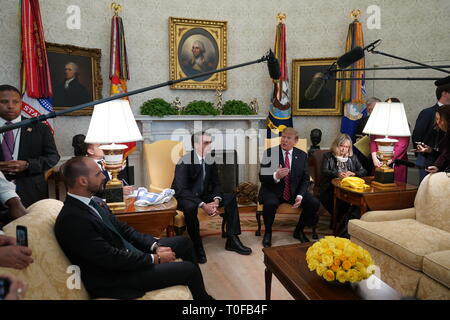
(122, 95)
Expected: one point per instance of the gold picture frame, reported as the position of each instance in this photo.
(87, 83)
(198, 46)
(327, 103)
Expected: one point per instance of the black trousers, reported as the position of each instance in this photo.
(327, 198)
(231, 216)
(164, 275)
(308, 218)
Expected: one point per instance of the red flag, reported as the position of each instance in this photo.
(118, 72)
(36, 85)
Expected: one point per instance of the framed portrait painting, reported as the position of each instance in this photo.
(75, 75)
(198, 46)
(327, 102)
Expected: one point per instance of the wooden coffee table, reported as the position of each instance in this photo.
(288, 264)
(151, 219)
(399, 197)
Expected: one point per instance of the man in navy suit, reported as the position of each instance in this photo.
(116, 261)
(26, 153)
(197, 185)
(284, 178)
(425, 130)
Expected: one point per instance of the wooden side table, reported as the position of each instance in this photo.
(399, 197)
(151, 219)
(288, 264)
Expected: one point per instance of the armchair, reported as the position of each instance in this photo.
(161, 158)
(412, 246)
(284, 207)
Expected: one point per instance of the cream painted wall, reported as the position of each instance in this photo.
(419, 30)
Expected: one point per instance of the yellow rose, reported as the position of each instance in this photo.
(312, 265)
(328, 275)
(341, 276)
(337, 261)
(352, 259)
(335, 268)
(327, 260)
(320, 269)
(352, 275)
(346, 265)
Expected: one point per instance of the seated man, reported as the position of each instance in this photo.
(10, 200)
(196, 184)
(116, 260)
(284, 178)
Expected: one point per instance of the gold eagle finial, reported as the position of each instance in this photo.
(355, 14)
(116, 8)
(281, 16)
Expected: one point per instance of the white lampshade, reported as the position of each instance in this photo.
(113, 122)
(388, 119)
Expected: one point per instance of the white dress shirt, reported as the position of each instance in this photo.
(16, 133)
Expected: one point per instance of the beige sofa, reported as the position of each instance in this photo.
(47, 276)
(412, 246)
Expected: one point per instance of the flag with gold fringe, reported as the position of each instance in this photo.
(280, 115)
(118, 72)
(35, 81)
(353, 91)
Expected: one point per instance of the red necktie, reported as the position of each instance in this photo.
(287, 182)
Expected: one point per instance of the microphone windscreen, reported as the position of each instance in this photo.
(350, 57)
(317, 83)
(274, 66)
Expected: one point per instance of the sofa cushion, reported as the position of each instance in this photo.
(437, 266)
(406, 240)
(432, 201)
(47, 254)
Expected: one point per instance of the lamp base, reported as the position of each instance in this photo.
(114, 195)
(384, 178)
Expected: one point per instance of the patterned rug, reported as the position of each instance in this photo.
(282, 223)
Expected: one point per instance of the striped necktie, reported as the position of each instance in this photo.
(287, 182)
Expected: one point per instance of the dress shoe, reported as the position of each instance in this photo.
(234, 244)
(300, 235)
(267, 240)
(201, 255)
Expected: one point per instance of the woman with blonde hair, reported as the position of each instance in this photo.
(340, 162)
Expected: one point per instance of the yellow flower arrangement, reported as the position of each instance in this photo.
(339, 259)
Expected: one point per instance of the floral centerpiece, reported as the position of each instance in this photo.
(339, 259)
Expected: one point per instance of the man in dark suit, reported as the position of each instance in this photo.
(71, 92)
(26, 153)
(117, 261)
(197, 185)
(284, 178)
(425, 130)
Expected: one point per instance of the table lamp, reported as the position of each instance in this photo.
(387, 119)
(113, 122)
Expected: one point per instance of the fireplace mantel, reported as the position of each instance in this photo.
(180, 127)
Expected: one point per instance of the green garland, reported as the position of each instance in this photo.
(237, 107)
(200, 107)
(158, 108)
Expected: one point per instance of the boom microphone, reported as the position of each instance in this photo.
(317, 83)
(350, 57)
(274, 66)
